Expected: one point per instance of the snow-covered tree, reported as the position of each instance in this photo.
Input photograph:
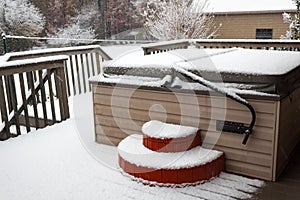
(294, 23)
(20, 17)
(176, 19)
(80, 30)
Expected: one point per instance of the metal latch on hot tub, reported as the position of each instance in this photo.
(234, 127)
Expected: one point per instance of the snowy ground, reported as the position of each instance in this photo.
(63, 162)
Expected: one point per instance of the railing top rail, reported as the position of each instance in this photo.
(166, 43)
(256, 41)
(55, 51)
(26, 65)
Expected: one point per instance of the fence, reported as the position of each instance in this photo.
(290, 45)
(35, 85)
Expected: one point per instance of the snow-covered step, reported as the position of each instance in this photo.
(192, 166)
(164, 137)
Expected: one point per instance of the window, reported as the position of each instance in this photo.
(262, 33)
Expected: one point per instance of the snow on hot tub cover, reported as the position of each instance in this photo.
(234, 60)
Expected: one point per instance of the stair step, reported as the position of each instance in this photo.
(195, 165)
(164, 137)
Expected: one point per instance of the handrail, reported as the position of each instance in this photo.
(57, 51)
(291, 45)
(230, 95)
(165, 46)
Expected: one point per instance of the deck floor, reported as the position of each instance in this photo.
(288, 185)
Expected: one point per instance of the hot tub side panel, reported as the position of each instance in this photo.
(121, 111)
(289, 129)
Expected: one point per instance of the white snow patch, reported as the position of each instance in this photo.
(131, 80)
(132, 150)
(158, 129)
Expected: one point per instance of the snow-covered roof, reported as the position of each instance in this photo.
(225, 6)
(234, 60)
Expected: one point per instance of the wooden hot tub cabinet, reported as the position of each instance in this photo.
(275, 134)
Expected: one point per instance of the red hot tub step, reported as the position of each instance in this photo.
(193, 166)
(164, 137)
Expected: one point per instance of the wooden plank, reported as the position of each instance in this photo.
(33, 94)
(61, 51)
(78, 73)
(83, 73)
(87, 56)
(72, 74)
(208, 112)
(196, 99)
(23, 94)
(209, 138)
(248, 169)
(67, 78)
(14, 101)
(102, 139)
(51, 95)
(93, 63)
(104, 115)
(43, 95)
(8, 93)
(3, 108)
(235, 141)
(98, 68)
(112, 132)
(30, 67)
(61, 90)
(32, 122)
(246, 156)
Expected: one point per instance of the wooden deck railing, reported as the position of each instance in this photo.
(82, 63)
(286, 45)
(290, 45)
(35, 85)
(19, 94)
(165, 46)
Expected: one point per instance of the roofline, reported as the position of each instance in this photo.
(253, 12)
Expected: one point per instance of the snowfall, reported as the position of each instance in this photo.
(64, 162)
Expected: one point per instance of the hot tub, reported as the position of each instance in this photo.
(136, 88)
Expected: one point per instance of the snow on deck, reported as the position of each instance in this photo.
(234, 60)
(64, 162)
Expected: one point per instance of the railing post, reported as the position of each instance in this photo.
(61, 90)
(4, 43)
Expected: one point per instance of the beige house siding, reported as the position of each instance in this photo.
(243, 25)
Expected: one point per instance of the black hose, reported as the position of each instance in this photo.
(234, 97)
